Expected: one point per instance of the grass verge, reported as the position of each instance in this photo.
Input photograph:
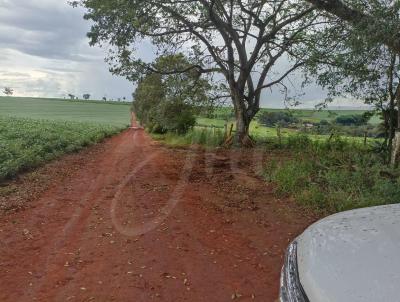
(206, 137)
(326, 174)
(333, 176)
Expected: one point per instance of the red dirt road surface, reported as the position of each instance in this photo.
(131, 220)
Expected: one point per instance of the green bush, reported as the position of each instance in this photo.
(175, 116)
(168, 103)
(355, 119)
(271, 119)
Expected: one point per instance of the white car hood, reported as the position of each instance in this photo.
(352, 257)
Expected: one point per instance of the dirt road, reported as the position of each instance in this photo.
(131, 220)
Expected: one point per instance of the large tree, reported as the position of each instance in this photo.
(242, 40)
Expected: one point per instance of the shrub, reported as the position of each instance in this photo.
(167, 102)
(271, 119)
(175, 116)
(355, 119)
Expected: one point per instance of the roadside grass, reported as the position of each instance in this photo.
(210, 132)
(333, 176)
(110, 113)
(326, 174)
(28, 143)
(263, 134)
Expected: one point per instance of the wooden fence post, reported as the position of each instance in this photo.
(279, 134)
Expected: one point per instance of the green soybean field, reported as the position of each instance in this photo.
(35, 131)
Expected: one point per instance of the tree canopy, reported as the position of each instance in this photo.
(241, 40)
(370, 18)
(353, 58)
(168, 102)
(244, 40)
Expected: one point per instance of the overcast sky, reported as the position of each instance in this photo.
(44, 52)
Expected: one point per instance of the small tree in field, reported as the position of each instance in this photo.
(71, 96)
(169, 102)
(86, 96)
(8, 91)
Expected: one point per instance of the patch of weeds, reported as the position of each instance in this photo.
(205, 137)
(334, 176)
(7, 190)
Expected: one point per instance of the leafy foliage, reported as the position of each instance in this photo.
(357, 58)
(350, 120)
(237, 43)
(174, 116)
(169, 102)
(149, 93)
(271, 119)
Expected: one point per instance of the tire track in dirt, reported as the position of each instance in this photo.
(223, 237)
(75, 226)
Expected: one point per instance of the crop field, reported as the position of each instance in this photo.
(117, 114)
(34, 131)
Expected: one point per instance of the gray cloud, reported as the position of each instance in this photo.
(44, 51)
(46, 42)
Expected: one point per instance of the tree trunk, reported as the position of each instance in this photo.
(242, 137)
(396, 149)
(244, 113)
(242, 125)
(395, 156)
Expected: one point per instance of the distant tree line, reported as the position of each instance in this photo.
(86, 97)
